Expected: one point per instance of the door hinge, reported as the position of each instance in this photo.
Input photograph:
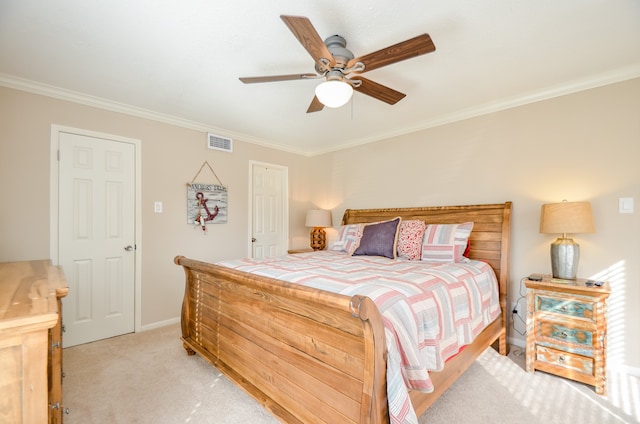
(58, 155)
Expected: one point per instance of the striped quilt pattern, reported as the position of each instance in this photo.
(430, 310)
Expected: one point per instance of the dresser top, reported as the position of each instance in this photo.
(28, 292)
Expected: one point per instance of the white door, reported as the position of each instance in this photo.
(269, 221)
(96, 225)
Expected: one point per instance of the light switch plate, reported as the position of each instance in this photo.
(157, 207)
(626, 205)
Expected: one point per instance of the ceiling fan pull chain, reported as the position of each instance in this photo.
(352, 108)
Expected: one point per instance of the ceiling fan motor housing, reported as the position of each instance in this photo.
(337, 46)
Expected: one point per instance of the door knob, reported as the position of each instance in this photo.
(253, 239)
(128, 248)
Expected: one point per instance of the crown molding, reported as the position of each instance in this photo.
(575, 86)
(35, 87)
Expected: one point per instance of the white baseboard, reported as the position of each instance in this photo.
(160, 324)
(625, 369)
(516, 342)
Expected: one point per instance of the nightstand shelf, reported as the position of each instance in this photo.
(566, 329)
(303, 250)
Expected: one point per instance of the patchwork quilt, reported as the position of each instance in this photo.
(430, 310)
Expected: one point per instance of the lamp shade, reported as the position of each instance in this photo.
(318, 218)
(566, 218)
(334, 93)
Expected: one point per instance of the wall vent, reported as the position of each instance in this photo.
(218, 142)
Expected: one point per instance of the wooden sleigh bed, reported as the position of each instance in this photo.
(312, 356)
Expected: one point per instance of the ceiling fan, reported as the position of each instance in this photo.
(341, 69)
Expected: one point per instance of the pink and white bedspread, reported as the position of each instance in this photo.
(430, 311)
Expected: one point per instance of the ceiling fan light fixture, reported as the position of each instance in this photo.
(334, 93)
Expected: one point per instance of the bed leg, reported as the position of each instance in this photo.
(190, 351)
(503, 346)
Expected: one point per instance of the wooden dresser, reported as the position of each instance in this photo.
(567, 329)
(31, 295)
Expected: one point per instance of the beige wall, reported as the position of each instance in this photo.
(171, 156)
(584, 146)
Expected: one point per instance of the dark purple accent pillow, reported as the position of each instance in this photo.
(379, 239)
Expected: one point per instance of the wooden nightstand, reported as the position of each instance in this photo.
(294, 251)
(566, 329)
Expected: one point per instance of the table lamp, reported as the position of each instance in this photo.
(566, 218)
(318, 219)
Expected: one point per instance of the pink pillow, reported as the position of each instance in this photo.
(445, 242)
(410, 239)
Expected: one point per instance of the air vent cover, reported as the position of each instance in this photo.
(218, 142)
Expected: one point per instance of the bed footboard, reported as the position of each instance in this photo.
(308, 356)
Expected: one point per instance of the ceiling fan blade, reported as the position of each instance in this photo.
(378, 91)
(307, 35)
(274, 78)
(413, 47)
(315, 105)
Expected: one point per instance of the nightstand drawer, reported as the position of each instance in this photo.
(573, 338)
(569, 307)
(564, 359)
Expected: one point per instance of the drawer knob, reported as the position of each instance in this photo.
(561, 358)
(564, 308)
(58, 406)
(564, 334)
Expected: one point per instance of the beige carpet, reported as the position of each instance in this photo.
(148, 378)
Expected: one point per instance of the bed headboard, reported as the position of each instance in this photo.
(489, 240)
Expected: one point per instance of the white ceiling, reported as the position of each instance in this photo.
(179, 60)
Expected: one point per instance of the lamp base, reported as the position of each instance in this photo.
(318, 238)
(565, 255)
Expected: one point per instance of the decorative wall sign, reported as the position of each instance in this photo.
(206, 203)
